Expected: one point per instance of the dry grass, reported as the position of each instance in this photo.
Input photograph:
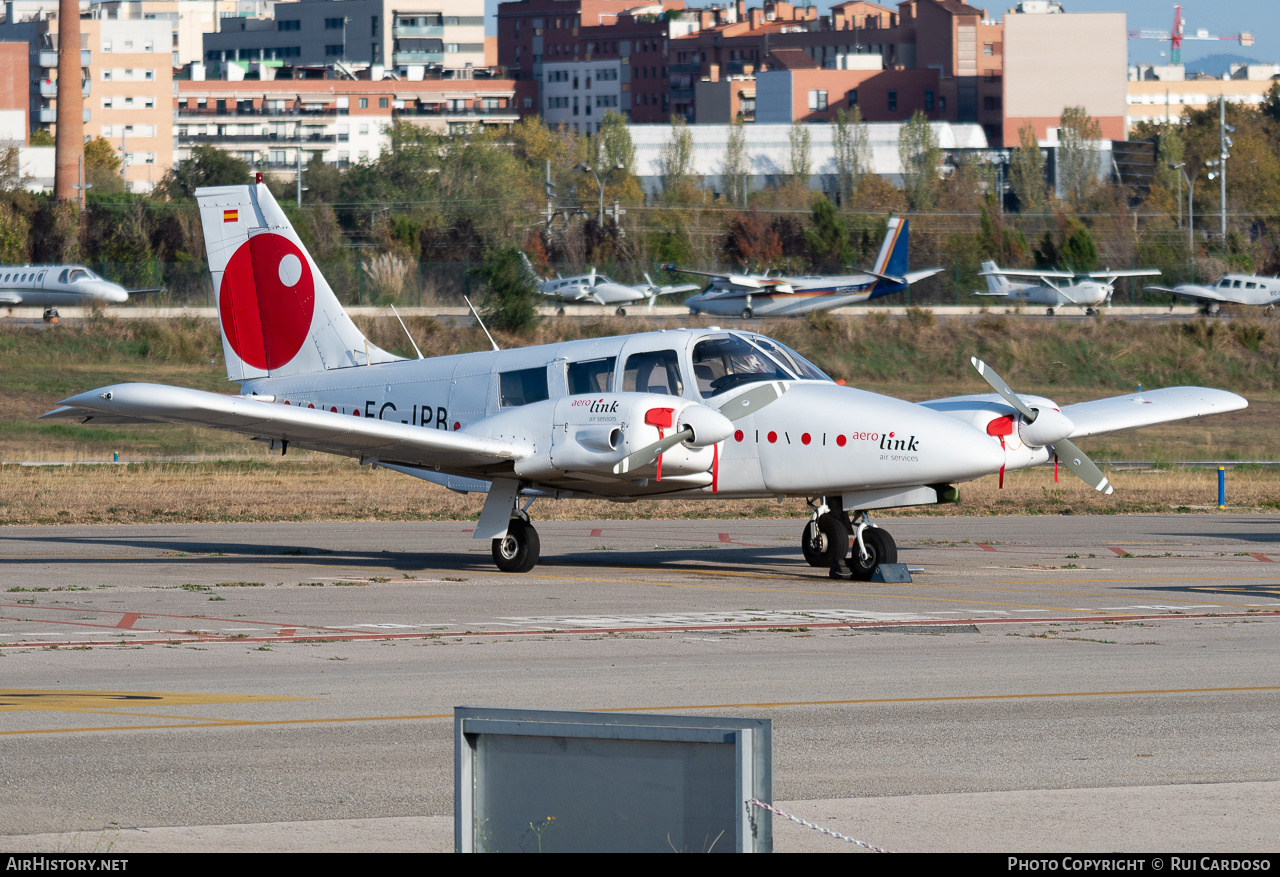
(335, 490)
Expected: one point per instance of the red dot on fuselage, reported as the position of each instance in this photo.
(456, 426)
(737, 436)
(805, 439)
(840, 440)
(773, 437)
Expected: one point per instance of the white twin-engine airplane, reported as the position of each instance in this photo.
(1231, 289)
(51, 286)
(597, 289)
(748, 295)
(1086, 291)
(685, 413)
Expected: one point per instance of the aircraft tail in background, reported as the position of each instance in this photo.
(278, 315)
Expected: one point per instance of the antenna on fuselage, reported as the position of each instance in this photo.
(481, 322)
(406, 331)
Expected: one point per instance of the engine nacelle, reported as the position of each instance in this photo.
(1050, 427)
(589, 435)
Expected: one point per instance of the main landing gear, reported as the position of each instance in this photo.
(832, 540)
(518, 550)
(51, 315)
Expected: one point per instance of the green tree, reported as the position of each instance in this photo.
(735, 173)
(102, 167)
(613, 144)
(800, 164)
(511, 300)
(920, 155)
(1026, 172)
(679, 178)
(1078, 156)
(207, 166)
(14, 233)
(852, 153)
(828, 239)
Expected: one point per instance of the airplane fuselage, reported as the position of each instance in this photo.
(1088, 293)
(54, 286)
(807, 294)
(817, 438)
(581, 290)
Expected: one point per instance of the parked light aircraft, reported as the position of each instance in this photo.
(749, 295)
(49, 286)
(1232, 289)
(597, 289)
(1057, 288)
(702, 413)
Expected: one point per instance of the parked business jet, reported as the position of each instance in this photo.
(51, 286)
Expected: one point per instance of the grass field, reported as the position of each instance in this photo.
(191, 474)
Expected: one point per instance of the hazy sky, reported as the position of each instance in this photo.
(1258, 17)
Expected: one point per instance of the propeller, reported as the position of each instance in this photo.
(735, 409)
(1063, 448)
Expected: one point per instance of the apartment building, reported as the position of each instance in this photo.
(1161, 94)
(280, 123)
(127, 86)
(418, 36)
(189, 19)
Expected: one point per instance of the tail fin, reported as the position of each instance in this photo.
(528, 267)
(893, 252)
(997, 284)
(277, 313)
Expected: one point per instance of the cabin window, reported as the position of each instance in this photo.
(656, 371)
(62, 278)
(591, 376)
(522, 387)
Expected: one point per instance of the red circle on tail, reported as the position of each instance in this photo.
(266, 300)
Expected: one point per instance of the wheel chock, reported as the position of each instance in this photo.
(891, 574)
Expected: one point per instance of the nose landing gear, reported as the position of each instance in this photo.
(831, 539)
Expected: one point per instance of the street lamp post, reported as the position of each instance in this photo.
(583, 166)
(1191, 224)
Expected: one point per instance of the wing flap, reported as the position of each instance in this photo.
(1148, 408)
(307, 428)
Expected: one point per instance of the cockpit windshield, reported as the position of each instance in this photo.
(723, 362)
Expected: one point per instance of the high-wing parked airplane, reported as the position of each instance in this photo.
(1232, 289)
(1057, 288)
(749, 295)
(597, 289)
(702, 413)
(49, 286)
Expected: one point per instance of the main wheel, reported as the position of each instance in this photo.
(825, 543)
(621, 312)
(1048, 312)
(881, 549)
(518, 550)
(746, 313)
(559, 312)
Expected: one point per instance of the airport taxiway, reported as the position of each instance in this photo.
(281, 686)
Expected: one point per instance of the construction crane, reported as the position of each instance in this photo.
(1177, 35)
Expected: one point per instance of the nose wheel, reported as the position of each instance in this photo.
(518, 550)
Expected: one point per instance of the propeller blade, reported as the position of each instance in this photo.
(648, 454)
(1083, 468)
(997, 383)
(751, 401)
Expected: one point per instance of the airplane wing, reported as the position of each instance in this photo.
(368, 438)
(1043, 276)
(667, 290)
(10, 298)
(1149, 407)
(571, 294)
(1112, 275)
(740, 281)
(1191, 293)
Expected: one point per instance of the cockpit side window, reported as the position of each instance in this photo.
(62, 278)
(78, 274)
(654, 371)
(522, 387)
(722, 363)
(592, 376)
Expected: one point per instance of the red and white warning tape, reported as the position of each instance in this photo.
(807, 824)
